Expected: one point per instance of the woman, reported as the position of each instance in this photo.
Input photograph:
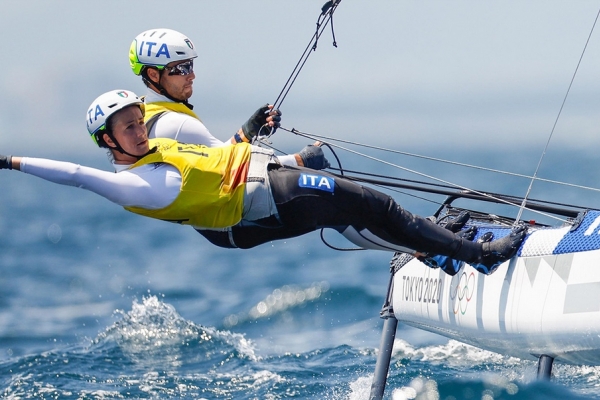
(216, 188)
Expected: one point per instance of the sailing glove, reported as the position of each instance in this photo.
(459, 222)
(498, 251)
(255, 126)
(5, 162)
(313, 157)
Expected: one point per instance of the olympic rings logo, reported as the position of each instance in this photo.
(462, 293)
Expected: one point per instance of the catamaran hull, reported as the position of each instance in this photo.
(546, 301)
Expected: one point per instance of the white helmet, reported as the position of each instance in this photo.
(159, 47)
(104, 107)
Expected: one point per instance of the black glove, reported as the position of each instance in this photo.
(312, 157)
(459, 222)
(468, 234)
(5, 162)
(252, 127)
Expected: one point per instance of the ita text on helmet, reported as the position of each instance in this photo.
(159, 47)
(106, 105)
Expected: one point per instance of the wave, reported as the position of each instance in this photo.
(152, 352)
(153, 328)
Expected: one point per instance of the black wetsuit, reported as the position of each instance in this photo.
(308, 200)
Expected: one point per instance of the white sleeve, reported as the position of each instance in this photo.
(150, 186)
(288, 160)
(184, 129)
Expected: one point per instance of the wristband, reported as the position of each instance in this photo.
(239, 139)
(6, 162)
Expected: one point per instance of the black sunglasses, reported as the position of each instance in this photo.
(184, 68)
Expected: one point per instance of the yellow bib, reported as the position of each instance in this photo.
(165, 106)
(212, 186)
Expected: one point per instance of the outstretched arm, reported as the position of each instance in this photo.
(150, 188)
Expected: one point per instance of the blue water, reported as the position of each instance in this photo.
(97, 303)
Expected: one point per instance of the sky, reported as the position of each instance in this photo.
(425, 76)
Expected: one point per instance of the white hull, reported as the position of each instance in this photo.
(545, 301)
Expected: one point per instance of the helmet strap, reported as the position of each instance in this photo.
(123, 151)
(161, 89)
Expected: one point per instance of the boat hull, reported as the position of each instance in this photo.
(544, 301)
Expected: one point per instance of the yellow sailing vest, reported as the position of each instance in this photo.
(165, 106)
(212, 183)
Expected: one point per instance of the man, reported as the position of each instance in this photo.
(164, 58)
(223, 186)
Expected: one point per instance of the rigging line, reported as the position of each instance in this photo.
(556, 120)
(327, 14)
(390, 186)
(343, 171)
(430, 184)
(321, 25)
(566, 210)
(395, 178)
(499, 200)
(299, 133)
(439, 203)
(438, 185)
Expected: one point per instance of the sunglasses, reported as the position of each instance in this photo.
(184, 68)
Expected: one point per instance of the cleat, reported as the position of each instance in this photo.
(498, 251)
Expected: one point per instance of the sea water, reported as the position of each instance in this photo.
(98, 303)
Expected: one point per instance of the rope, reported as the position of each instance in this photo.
(556, 121)
(440, 160)
(433, 178)
(323, 20)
